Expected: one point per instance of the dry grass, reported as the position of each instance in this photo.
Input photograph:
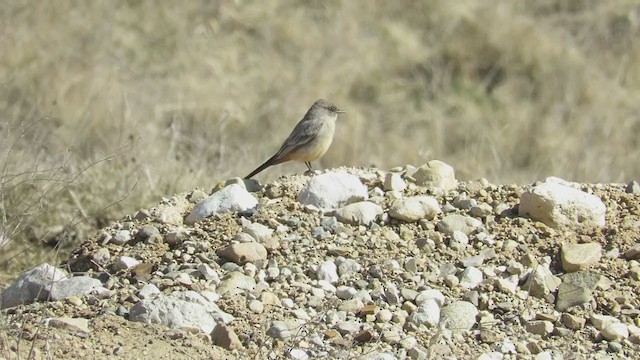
(183, 95)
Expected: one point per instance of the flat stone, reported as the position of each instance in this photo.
(74, 324)
(74, 286)
(580, 256)
(571, 295)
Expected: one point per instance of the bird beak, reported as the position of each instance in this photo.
(340, 111)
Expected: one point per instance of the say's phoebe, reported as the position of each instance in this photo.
(310, 139)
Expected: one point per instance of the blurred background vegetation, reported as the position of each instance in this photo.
(108, 106)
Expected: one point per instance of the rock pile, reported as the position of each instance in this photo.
(409, 263)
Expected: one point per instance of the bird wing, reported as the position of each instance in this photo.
(303, 134)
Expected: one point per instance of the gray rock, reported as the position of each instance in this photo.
(332, 190)
(147, 231)
(571, 295)
(360, 213)
(580, 256)
(186, 309)
(633, 253)
(32, 285)
(121, 237)
(101, 256)
(558, 205)
(415, 208)
(436, 174)
(347, 267)
(75, 286)
(232, 198)
(457, 222)
(242, 253)
(459, 316)
(632, 188)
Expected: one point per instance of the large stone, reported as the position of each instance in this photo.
(428, 313)
(558, 206)
(360, 213)
(415, 208)
(580, 256)
(436, 174)
(232, 198)
(75, 286)
(225, 337)
(186, 309)
(332, 190)
(459, 316)
(235, 283)
(32, 285)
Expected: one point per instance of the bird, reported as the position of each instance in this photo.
(309, 140)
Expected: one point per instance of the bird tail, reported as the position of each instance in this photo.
(272, 161)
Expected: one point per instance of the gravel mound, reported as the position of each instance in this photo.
(415, 271)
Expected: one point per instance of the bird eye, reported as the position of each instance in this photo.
(333, 108)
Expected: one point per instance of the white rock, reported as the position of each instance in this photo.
(558, 206)
(428, 313)
(232, 198)
(430, 294)
(328, 271)
(470, 277)
(394, 182)
(457, 222)
(360, 213)
(415, 208)
(75, 286)
(186, 309)
(615, 331)
(298, 354)
(332, 190)
(602, 321)
(258, 231)
(148, 291)
(436, 174)
(32, 285)
(125, 262)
